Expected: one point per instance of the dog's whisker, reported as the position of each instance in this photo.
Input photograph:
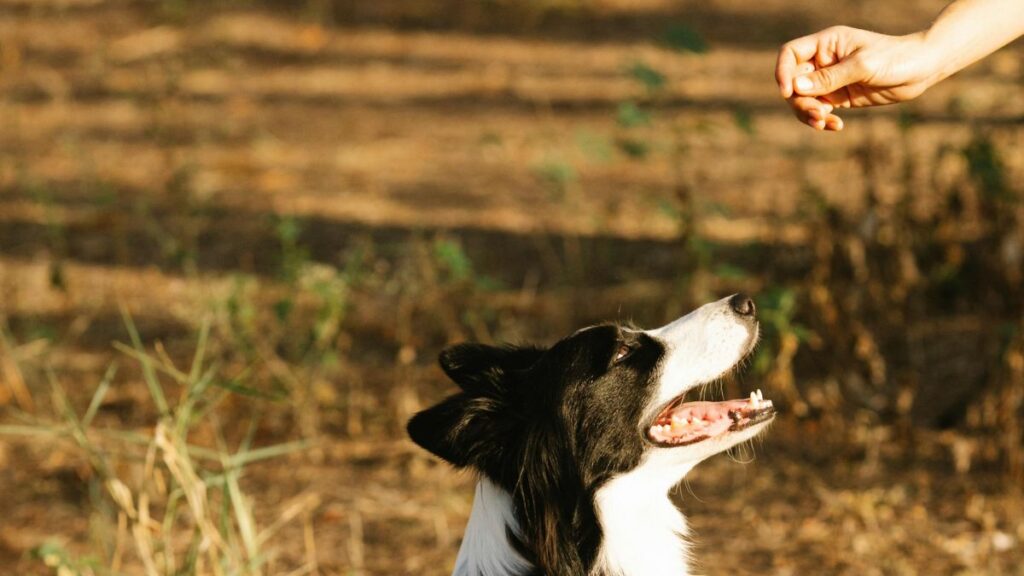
(689, 489)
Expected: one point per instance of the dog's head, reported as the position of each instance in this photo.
(597, 402)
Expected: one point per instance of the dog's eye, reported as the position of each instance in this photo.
(622, 353)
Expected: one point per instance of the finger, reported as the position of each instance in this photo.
(800, 70)
(822, 120)
(810, 111)
(791, 55)
(827, 80)
(833, 123)
(818, 119)
(805, 106)
(825, 57)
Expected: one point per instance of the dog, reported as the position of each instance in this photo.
(578, 445)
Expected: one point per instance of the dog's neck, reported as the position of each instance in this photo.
(642, 531)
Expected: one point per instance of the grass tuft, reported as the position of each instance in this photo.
(173, 507)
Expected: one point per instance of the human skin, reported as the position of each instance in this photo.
(843, 67)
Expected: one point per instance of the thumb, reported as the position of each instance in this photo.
(827, 80)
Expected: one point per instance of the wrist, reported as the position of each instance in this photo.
(930, 56)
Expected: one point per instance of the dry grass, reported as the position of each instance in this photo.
(166, 505)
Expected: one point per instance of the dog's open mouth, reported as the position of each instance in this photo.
(682, 423)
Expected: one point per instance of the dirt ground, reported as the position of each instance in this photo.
(147, 150)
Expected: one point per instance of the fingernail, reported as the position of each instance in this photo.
(803, 84)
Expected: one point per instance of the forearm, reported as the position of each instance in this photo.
(968, 30)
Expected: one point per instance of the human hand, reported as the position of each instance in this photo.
(842, 67)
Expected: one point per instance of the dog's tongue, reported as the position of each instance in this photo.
(694, 421)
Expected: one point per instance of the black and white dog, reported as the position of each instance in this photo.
(579, 444)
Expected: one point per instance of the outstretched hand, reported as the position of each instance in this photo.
(842, 67)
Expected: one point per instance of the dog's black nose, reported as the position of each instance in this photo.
(742, 305)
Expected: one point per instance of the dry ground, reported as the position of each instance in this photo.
(148, 148)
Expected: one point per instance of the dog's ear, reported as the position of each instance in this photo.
(469, 427)
(478, 367)
(461, 429)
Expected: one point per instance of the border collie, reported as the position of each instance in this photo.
(579, 444)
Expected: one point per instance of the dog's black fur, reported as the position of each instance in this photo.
(549, 426)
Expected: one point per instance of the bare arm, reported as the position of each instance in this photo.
(968, 30)
(855, 68)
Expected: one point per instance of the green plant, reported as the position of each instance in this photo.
(453, 259)
(290, 331)
(314, 300)
(294, 257)
(56, 232)
(174, 220)
(783, 335)
(457, 267)
(652, 80)
(743, 117)
(682, 38)
(56, 557)
(596, 148)
(558, 177)
(986, 167)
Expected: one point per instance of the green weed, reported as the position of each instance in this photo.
(683, 38)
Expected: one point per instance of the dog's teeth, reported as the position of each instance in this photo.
(759, 395)
(753, 399)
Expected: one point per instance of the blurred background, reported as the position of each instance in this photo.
(234, 235)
